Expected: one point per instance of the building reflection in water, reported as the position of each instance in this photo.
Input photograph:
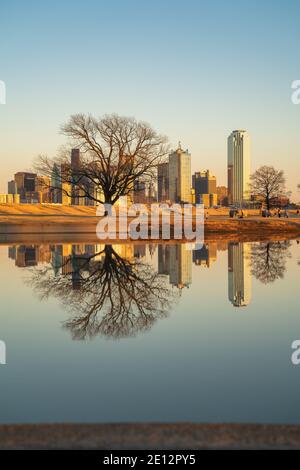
(173, 263)
(239, 274)
(206, 255)
(29, 255)
(110, 290)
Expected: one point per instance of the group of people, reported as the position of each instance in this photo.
(264, 213)
(276, 213)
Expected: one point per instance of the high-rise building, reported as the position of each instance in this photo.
(25, 182)
(75, 159)
(239, 274)
(12, 187)
(163, 182)
(204, 183)
(77, 193)
(55, 185)
(180, 176)
(238, 167)
(26, 187)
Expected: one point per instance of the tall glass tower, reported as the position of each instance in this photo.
(238, 167)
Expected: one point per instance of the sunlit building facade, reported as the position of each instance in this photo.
(180, 176)
(238, 154)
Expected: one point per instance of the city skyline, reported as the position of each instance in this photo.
(71, 182)
(220, 83)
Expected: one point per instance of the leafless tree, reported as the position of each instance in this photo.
(268, 260)
(110, 296)
(268, 183)
(115, 151)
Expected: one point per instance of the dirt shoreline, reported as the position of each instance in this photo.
(69, 224)
(149, 436)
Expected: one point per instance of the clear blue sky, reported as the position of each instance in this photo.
(194, 70)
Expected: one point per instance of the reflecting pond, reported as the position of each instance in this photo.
(150, 332)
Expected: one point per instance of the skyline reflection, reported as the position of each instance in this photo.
(119, 290)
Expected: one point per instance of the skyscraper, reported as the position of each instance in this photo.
(238, 167)
(26, 186)
(75, 159)
(239, 274)
(204, 182)
(163, 182)
(12, 187)
(180, 176)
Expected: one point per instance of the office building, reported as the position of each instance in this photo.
(28, 187)
(238, 167)
(208, 200)
(12, 187)
(204, 183)
(204, 188)
(180, 176)
(163, 182)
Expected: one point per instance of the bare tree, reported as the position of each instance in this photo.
(114, 152)
(268, 260)
(106, 293)
(268, 183)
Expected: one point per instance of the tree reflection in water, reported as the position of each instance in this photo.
(106, 293)
(268, 260)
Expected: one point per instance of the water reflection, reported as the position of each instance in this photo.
(120, 290)
(239, 274)
(269, 260)
(106, 288)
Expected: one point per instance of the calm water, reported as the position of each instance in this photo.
(135, 333)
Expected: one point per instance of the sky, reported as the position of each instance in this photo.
(195, 70)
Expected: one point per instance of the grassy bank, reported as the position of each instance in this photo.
(52, 219)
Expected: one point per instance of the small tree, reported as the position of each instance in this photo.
(114, 152)
(268, 183)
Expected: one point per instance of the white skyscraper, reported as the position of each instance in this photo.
(238, 167)
(180, 176)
